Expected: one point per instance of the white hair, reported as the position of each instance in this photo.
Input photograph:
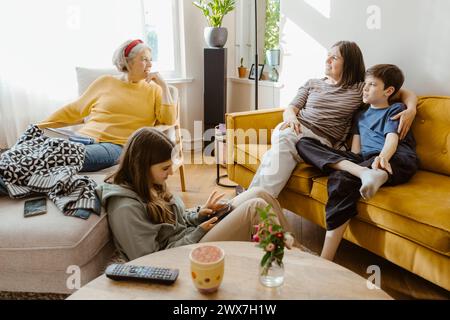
(120, 61)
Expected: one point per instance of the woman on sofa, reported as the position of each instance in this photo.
(145, 216)
(114, 108)
(323, 110)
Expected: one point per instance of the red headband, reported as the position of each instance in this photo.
(130, 47)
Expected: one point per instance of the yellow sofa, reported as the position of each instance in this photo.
(408, 225)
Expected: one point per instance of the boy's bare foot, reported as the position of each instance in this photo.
(372, 180)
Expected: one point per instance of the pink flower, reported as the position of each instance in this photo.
(270, 247)
(279, 235)
(256, 227)
(256, 238)
(270, 229)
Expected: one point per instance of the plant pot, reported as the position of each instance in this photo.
(215, 37)
(242, 72)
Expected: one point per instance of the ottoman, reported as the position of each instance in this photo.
(50, 252)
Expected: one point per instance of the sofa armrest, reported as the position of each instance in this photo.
(260, 122)
(253, 127)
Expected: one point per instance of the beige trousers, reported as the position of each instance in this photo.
(281, 159)
(239, 224)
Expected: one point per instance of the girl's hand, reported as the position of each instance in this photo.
(212, 204)
(209, 224)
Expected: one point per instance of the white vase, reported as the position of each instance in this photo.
(215, 37)
(273, 57)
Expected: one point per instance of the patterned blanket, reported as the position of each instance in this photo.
(38, 164)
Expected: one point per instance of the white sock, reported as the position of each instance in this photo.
(372, 180)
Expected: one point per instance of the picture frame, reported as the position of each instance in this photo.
(251, 75)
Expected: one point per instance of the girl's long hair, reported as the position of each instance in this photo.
(145, 148)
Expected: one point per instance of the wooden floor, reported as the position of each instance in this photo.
(397, 282)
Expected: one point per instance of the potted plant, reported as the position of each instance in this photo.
(242, 70)
(214, 11)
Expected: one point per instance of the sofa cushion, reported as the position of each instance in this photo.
(431, 129)
(49, 242)
(250, 155)
(417, 210)
(85, 76)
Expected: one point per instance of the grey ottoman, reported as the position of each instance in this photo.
(51, 252)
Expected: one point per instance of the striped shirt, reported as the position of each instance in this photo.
(327, 109)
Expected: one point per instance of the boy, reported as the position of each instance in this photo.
(377, 156)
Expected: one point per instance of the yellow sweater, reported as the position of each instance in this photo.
(115, 109)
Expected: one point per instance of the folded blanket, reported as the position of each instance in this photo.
(38, 164)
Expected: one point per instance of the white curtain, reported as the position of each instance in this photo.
(41, 44)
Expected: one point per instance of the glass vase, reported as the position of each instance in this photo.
(272, 274)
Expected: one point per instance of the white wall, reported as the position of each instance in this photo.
(414, 35)
(241, 95)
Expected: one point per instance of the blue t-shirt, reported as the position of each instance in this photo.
(374, 124)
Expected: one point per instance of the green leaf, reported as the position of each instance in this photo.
(272, 30)
(277, 228)
(265, 258)
(262, 213)
(215, 10)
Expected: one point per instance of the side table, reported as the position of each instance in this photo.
(220, 152)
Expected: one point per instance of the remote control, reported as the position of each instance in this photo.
(119, 271)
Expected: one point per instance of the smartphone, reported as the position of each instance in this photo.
(222, 212)
(34, 207)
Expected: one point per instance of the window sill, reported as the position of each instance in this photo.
(261, 83)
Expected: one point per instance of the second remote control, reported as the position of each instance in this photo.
(119, 271)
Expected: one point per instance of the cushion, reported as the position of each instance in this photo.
(431, 130)
(417, 210)
(85, 76)
(249, 156)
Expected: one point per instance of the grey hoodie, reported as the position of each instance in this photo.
(133, 232)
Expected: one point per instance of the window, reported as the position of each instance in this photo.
(272, 28)
(268, 29)
(245, 32)
(161, 33)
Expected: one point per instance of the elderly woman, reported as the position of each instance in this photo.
(322, 109)
(114, 108)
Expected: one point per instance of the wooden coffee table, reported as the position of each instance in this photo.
(306, 277)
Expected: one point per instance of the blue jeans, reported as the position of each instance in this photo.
(100, 156)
